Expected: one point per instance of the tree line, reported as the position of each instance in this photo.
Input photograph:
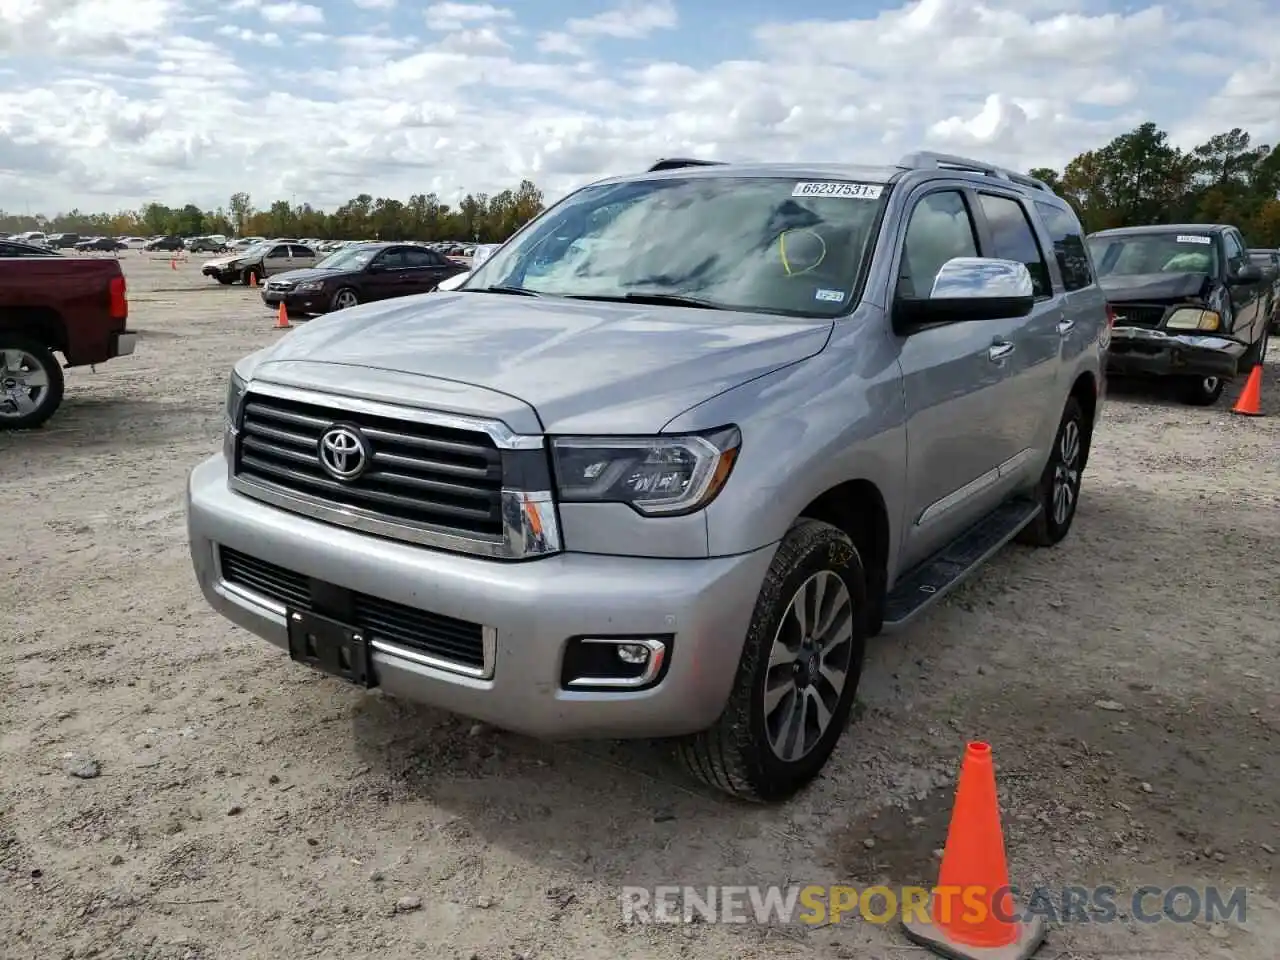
(477, 217)
(1138, 178)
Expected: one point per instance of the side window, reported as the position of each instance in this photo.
(940, 229)
(414, 257)
(279, 253)
(1013, 238)
(301, 251)
(391, 259)
(1234, 249)
(1068, 245)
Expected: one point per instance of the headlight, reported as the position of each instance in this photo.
(236, 388)
(309, 286)
(660, 475)
(1193, 318)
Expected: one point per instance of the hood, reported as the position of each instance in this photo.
(585, 367)
(308, 273)
(1151, 287)
(221, 262)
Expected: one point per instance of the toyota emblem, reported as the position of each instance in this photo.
(344, 452)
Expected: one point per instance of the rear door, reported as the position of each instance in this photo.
(961, 404)
(424, 269)
(1034, 365)
(303, 257)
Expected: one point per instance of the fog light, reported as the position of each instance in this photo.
(633, 653)
(616, 663)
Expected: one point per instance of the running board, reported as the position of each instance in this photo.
(948, 568)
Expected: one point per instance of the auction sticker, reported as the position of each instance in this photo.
(1191, 239)
(842, 189)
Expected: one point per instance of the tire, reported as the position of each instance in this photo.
(33, 359)
(253, 276)
(1200, 391)
(344, 299)
(735, 755)
(225, 281)
(1064, 471)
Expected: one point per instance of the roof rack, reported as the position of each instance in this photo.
(675, 163)
(928, 160)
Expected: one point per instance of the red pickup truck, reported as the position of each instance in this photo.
(52, 304)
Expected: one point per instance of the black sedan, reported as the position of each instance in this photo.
(359, 274)
(107, 244)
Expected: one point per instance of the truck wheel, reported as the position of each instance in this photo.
(1059, 488)
(31, 383)
(798, 674)
(1201, 391)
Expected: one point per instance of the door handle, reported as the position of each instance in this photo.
(998, 351)
(1064, 326)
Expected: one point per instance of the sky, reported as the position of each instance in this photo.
(110, 104)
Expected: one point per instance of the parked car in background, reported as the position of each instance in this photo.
(1189, 304)
(359, 274)
(51, 304)
(63, 241)
(1269, 261)
(169, 243)
(256, 263)
(207, 244)
(669, 456)
(101, 244)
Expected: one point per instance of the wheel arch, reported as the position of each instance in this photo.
(1085, 392)
(38, 323)
(858, 508)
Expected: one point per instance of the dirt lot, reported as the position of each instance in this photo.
(247, 808)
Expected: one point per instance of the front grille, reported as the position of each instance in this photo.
(420, 474)
(432, 634)
(1146, 315)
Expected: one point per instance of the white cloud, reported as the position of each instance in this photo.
(291, 12)
(629, 21)
(107, 103)
(458, 16)
(375, 4)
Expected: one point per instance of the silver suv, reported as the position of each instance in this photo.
(667, 459)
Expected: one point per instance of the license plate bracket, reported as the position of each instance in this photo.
(331, 647)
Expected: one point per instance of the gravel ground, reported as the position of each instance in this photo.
(173, 787)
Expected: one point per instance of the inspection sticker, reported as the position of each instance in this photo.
(1190, 239)
(830, 296)
(846, 191)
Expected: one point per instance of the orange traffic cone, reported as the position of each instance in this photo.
(282, 318)
(1250, 402)
(173, 263)
(971, 916)
(253, 279)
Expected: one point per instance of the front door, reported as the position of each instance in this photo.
(962, 424)
(277, 260)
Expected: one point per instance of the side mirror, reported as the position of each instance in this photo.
(1247, 273)
(970, 288)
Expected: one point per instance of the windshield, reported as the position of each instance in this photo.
(254, 249)
(768, 245)
(1131, 256)
(348, 258)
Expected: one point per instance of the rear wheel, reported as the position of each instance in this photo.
(1059, 489)
(1201, 391)
(31, 383)
(799, 671)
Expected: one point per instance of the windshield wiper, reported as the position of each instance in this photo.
(658, 299)
(514, 291)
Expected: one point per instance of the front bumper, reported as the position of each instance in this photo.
(1138, 350)
(532, 608)
(314, 301)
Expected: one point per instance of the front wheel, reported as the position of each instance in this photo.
(1201, 391)
(31, 383)
(345, 298)
(252, 277)
(224, 280)
(799, 671)
(1059, 489)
